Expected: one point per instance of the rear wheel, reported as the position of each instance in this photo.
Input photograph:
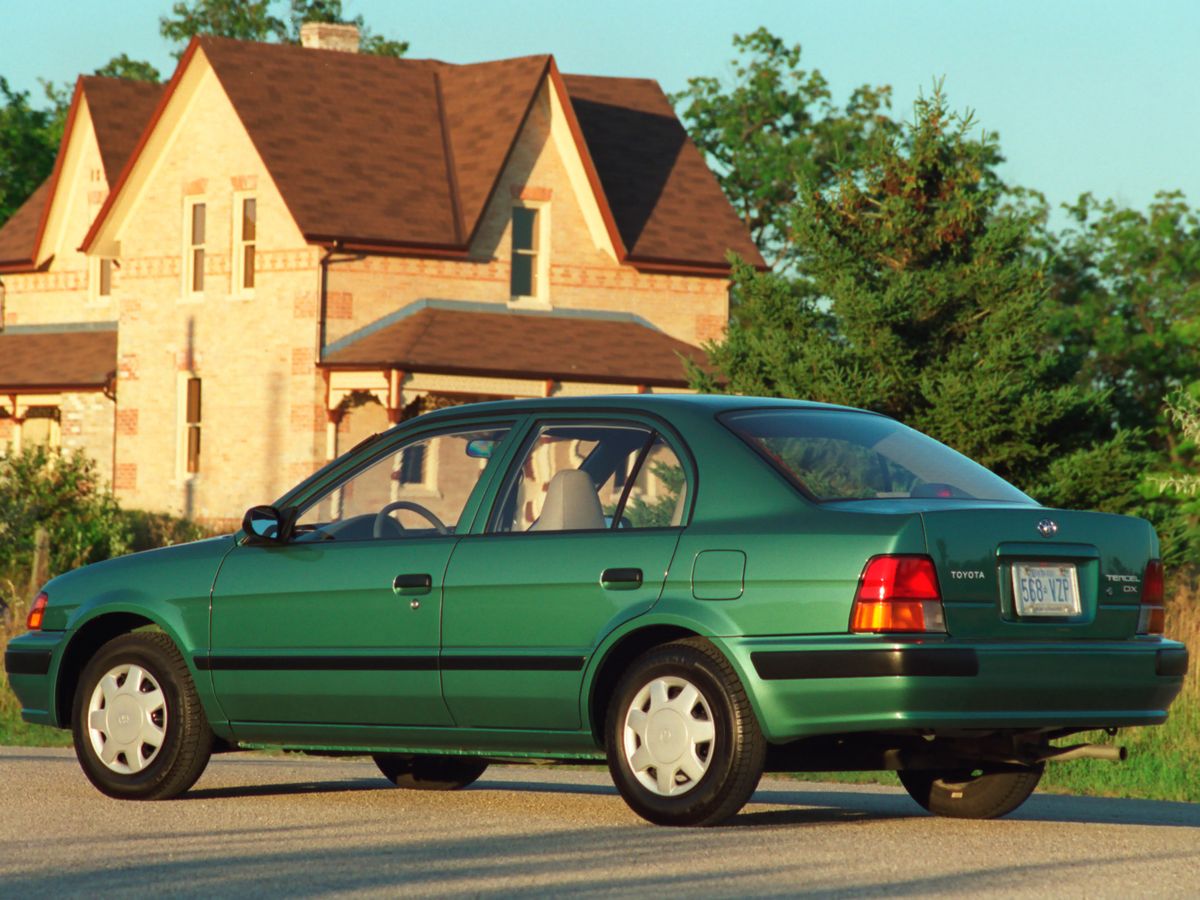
(140, 732)
(429, 773)
(971, 794)
(684, 747)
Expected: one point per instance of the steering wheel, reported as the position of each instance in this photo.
(382, 516)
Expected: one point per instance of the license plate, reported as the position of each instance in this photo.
(1045, 589)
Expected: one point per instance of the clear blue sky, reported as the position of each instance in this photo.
(1086, 94)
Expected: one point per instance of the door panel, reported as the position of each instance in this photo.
(316, 633)
(523, 613)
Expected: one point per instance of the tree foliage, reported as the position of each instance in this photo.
(1129, 286)
(65, 495)
(917, 296)
(777, 128)
(256, 20)
(28, 144)
(121, 66)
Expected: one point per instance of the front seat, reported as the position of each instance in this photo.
(571, 504)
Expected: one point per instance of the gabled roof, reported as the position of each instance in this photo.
(82, 359)
(379, 153)
(512, 344)
(120, 109)
(19, 235)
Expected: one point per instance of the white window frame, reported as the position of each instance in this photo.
(237, 288)
(540, 299)
(188, 249)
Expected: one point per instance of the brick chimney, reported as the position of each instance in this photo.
(329, 36)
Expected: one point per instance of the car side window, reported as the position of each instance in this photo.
(593, 477)
(416, 490)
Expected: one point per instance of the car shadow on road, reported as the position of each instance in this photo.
(243, 791)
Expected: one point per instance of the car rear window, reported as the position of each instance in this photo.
(846, 455)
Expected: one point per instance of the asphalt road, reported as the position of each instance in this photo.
(316, 827)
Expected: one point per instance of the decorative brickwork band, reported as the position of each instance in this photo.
(127, 421)
(125, 477)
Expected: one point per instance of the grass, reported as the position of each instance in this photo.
(1163, 764)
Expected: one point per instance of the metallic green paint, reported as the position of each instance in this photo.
(307, 644)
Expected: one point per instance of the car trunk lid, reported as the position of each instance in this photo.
(1030, 573)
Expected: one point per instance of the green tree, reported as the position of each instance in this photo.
(122, 66)
(918, 297)
(774, 129)
(1129, 286)
(28, 143)
(254, 20)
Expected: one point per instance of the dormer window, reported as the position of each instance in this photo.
(525, 280)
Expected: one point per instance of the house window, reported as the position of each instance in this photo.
(245, 233)
(104, 288)
(412, 465)
(194, 249)
(525, 252)
(191, 425)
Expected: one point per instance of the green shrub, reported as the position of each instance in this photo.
(150, 529)
(62, 493)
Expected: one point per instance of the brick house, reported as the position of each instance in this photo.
(304, 245)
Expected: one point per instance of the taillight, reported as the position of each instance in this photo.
(898, 593)
(1152, 614)
(37, 612)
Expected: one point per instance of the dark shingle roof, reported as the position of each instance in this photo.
(18, 236)
(521, 345)
(666, 202)
(406, 153)
(57, 359)
(120, 109)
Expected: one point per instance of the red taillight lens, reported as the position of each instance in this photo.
(1152, 615)
(37, 612)
(898, 593)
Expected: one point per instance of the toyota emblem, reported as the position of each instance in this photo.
(1047, 528)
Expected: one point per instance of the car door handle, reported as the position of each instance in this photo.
(412, 585)
(621, 579)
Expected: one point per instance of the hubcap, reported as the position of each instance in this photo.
(669, 736)
(127, 719)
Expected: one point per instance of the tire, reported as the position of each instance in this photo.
(429, 773)
(681, 764)
(153, 732)
(967, 795)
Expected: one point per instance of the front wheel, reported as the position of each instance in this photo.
(971, 794)
(684, 747)
(429, 773)
(140, 732)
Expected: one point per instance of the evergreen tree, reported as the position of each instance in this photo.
(918, 297)
(775, 128)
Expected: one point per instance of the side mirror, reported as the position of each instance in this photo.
(480, 448)
(267, 525)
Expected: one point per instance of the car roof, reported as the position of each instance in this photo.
(663, 404)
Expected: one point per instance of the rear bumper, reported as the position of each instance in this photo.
(803, 687)
(29, 662)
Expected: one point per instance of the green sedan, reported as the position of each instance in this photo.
(693, 589)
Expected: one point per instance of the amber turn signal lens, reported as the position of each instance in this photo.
(898, 594)
(37, 612)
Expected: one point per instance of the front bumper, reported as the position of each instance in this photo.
(802, 687)
(30, 662)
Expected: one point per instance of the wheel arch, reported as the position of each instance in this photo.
(622, 650)
(89, 637)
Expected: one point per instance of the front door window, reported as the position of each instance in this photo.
(417, 490)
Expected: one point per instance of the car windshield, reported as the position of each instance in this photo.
(846, 455)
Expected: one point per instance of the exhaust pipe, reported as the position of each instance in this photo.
(1083, 751)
